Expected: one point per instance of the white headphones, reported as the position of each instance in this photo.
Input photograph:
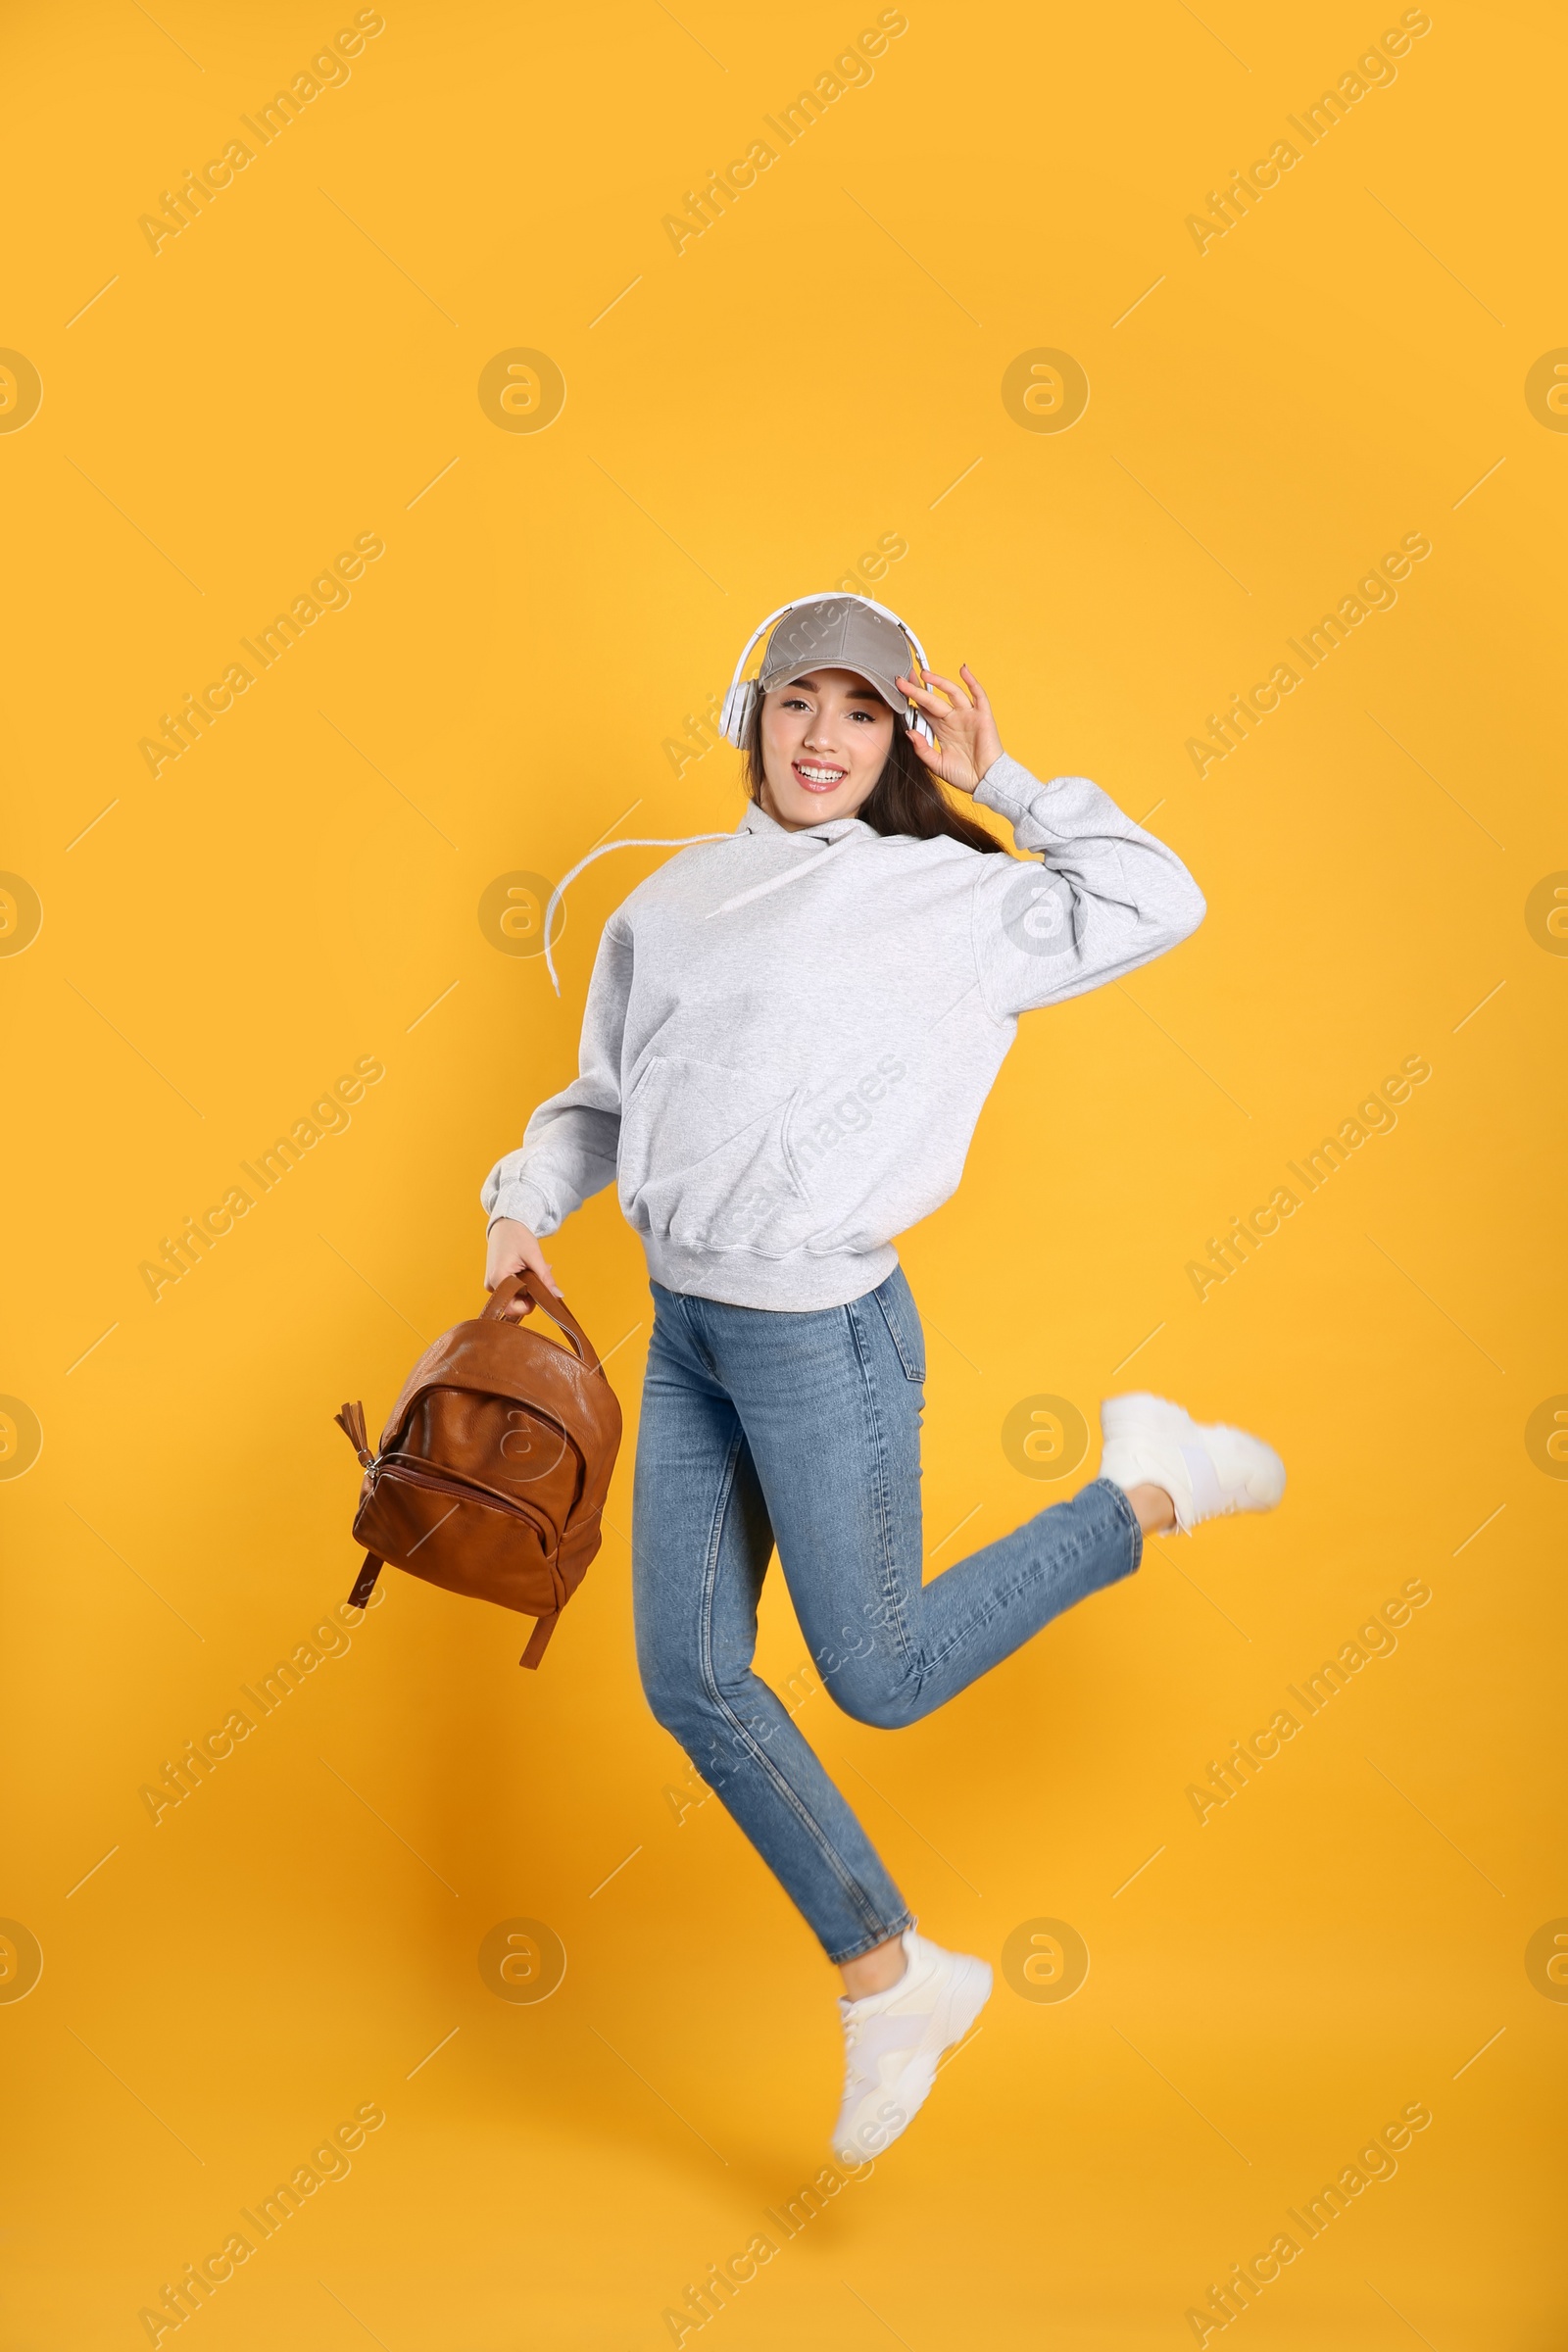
(739, 703)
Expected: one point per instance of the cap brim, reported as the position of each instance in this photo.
(896, 701)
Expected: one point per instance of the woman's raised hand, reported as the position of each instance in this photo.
(967, 742)
(512, 1249)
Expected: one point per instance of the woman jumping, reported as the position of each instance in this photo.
(790, 1032)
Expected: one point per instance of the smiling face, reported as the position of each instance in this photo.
(825, 741)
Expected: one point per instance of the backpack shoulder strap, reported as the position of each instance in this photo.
(365, 1582)
(539, 1639)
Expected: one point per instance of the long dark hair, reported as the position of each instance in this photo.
(904, 799)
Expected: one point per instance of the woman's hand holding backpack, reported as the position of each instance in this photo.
(514, 1250)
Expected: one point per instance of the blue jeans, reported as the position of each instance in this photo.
(804, 1430)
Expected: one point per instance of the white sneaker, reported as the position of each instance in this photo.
(894, 2042)
(1206, 1468)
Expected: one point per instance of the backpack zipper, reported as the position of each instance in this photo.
(443, 1483)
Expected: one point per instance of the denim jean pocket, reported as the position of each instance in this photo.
(902, 1317)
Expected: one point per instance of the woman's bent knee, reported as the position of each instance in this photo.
(873, 1692)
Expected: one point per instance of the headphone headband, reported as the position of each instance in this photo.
(739, 702)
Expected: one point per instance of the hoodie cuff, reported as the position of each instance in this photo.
(1007, 786)
(527, 1205)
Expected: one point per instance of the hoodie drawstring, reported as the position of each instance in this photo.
(680, 841)
(812, 866)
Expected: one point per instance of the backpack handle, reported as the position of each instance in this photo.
(514, 1285)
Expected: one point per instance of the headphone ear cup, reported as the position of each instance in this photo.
(736, 714)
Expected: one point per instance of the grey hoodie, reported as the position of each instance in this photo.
(789, 1037)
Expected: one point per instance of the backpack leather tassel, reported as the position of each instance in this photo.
(351, 1421)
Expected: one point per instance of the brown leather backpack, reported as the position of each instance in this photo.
(495, 1464)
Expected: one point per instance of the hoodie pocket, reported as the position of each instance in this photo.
(702, 1161)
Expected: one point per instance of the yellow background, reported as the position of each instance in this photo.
(297, 890)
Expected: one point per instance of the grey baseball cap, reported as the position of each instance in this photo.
(838, 632)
